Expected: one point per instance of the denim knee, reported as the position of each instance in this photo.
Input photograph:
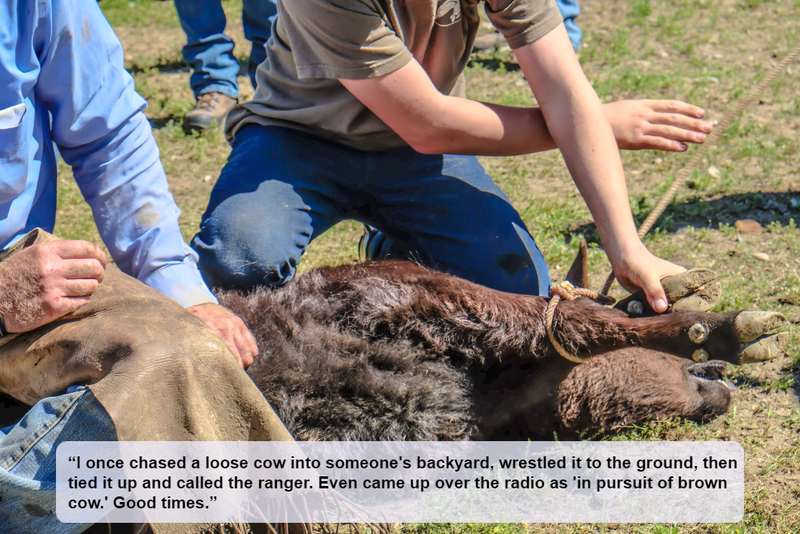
(244, 242)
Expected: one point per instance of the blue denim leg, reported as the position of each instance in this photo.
(274, 194)
(447, 213)
(28, 460)
(281, 188)
(208, 50)
(257, 18)
(569, 11)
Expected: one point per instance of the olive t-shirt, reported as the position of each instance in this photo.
(317, 42)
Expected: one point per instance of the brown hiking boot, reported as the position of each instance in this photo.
(211, 107)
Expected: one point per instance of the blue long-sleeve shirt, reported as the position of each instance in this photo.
(60, 58)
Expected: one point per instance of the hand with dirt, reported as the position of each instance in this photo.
(230, 328)
(41, 283)
(656, 124)
(639, 269)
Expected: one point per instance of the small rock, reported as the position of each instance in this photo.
(658, 161)
(713, 171)
(207, 178)
(748, 226)
(761, 256)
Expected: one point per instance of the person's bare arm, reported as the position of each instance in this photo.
(579, 126)
(433, 123)
(44, 282)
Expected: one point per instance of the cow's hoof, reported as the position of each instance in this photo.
(750, 325)
(695, 290)
(764, 349)
(751, 329)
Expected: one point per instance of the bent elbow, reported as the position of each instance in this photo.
(427, 143)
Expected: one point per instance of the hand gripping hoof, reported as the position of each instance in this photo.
(695, 290)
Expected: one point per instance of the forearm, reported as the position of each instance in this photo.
(592, 157)
(580, 128)
(433, 123)
(478, 128)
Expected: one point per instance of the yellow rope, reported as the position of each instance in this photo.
(568, 291)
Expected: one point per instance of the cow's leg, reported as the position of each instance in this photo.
(736, 337)
(630, 385)
(450, 315)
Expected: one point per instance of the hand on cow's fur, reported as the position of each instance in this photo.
(656, 124)
(41, 283)
(230, 328)
(642, 270)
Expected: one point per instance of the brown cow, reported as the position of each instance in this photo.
(394, 351)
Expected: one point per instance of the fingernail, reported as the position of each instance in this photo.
(660, 305)
(683, 146)
(701, 112)
(707, 127)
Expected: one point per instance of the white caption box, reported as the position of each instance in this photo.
(400, 482)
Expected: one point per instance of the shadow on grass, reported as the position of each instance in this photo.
(161, 122)
(162, 66)
(166, 66)
(764, 208)
(493, 64)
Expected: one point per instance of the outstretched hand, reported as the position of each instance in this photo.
(642, 270)
(656, 124)
(230, 328)
(41, 283)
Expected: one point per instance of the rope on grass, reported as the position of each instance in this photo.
(723, 125)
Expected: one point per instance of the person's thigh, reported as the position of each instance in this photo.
(447, 213)
(28, 458)
(208, 50)
(279, 190)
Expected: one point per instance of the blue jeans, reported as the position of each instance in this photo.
(28, 459)
(210, 52)
(569, 11)
(281, 188)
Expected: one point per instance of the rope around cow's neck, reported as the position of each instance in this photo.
(568, 291)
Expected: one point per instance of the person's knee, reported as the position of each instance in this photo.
(235, 253)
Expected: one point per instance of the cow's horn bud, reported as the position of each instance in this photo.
(698, 333)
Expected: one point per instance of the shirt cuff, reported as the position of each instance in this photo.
(181, 282)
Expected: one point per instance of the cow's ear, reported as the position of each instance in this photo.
(578, 274)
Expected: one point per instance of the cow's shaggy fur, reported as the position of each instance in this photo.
(393, 351)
